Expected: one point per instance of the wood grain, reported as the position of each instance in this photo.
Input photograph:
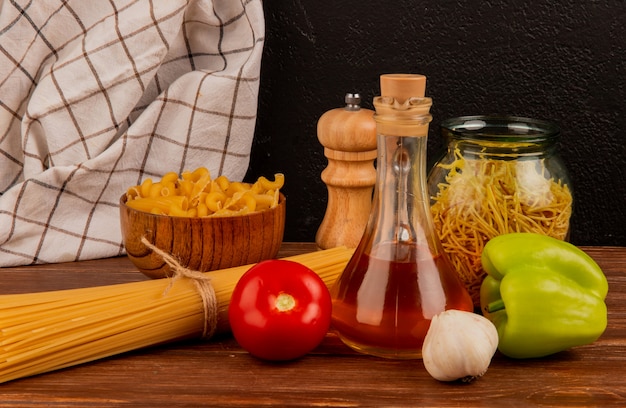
(349, 140)
(220, 373)
(201, 243)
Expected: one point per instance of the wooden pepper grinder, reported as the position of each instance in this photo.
(348, 135)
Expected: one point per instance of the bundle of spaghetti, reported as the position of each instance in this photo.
(483, 198)
(46, 331)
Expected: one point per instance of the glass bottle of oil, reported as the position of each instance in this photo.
(399, 276)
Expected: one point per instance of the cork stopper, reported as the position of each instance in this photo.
(402, 86)
(395, 115)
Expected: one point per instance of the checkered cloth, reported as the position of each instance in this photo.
(97, 95)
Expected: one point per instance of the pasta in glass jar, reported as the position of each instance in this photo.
(500, 174)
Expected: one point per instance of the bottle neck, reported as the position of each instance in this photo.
(410, 118)
(401, 201)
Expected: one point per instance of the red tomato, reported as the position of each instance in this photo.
(280, 310)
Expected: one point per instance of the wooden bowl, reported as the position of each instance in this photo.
(201, 243)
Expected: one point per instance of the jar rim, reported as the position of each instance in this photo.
(501, 128)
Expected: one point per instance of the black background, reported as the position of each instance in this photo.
(563, 61)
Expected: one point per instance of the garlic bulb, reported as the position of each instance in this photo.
(459, 345)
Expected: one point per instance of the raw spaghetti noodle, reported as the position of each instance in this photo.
(483, 198)
(41, 332)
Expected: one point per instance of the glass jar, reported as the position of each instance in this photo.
(500, 174)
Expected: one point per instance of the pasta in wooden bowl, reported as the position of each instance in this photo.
(205, 224)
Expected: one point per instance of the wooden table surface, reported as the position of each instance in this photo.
(219, 373)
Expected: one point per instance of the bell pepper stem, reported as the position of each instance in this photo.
(495, 306)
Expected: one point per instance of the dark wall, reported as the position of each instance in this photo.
(562, 60)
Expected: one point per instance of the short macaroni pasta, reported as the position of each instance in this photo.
(196, 194)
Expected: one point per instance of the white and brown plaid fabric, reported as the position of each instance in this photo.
(97, 95)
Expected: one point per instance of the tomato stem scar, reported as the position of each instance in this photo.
(285, 302)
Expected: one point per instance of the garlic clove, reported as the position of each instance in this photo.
(459, 345)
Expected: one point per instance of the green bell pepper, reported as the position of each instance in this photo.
(543, 295)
